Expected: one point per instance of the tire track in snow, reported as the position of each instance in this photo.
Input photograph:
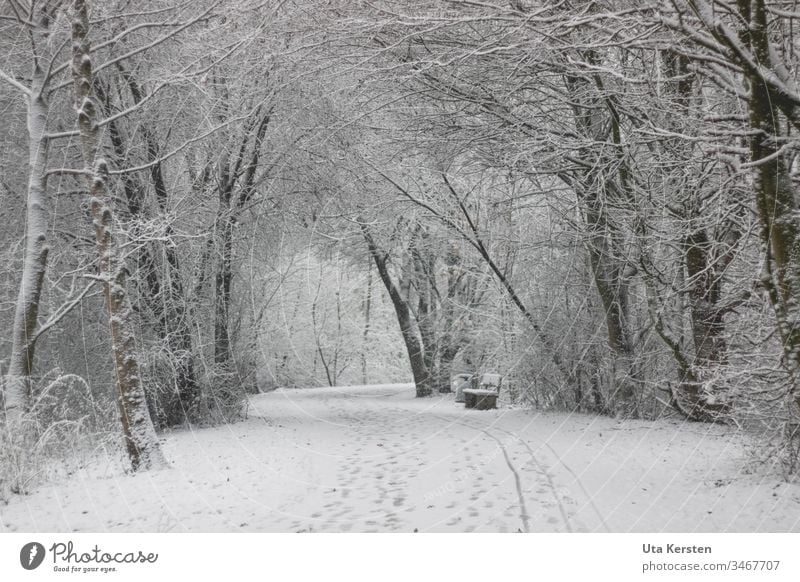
(589, 497)
(542, 470)
(524, 515)
(549, 478)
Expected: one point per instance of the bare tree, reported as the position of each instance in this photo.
(140, 437)
(37, 22)
(408, 328)
(736, 48)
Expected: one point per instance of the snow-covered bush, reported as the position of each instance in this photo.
(65, 431)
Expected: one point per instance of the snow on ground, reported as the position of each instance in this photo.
(374, 458)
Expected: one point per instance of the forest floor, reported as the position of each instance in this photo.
(374, 458)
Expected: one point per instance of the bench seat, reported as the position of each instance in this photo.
(480, 399)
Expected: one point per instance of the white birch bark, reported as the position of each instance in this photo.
(16, 393)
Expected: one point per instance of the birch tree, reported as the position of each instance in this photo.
(43, 93)
(36, 22)
(140, 438)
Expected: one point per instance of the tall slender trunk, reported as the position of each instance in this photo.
(708, 325)
(428, 336)
(704, 266)
(224, 272)
(319, 334)
(167, 301)
(775, 198)
(16, 394)
(222, 285)
(175, 314)
(422, 378)
(422, 267)
(450, 340)
(231, 201)
(365, 337)
(776, 203)
(612, 287)
(17, 386)
(598, 121)
(140, 438)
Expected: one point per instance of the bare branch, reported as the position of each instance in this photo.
(14, 83)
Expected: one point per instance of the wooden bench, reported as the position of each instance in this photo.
(484, 397)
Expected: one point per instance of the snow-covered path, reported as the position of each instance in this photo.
(375, 458)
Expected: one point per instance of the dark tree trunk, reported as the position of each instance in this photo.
(367, 308)
(612, 288)
(451, 339)
(222, 286)
(422, 267)
(412, 342)
(708, 325)
(597, 119)
(776, 204)
(168, 305)
(241, 171)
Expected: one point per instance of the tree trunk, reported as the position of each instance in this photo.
(422, 267)
(612, 287)
(166, 302)
(777, 210)
(222, 285)
(708, 325)
(140, 438)
(365, 337)
(17, 386)
(451, 338)
(175, 315)
(231, 201)
(413, 345)
(597, 120)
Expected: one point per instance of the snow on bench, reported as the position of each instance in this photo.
(480, 392)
